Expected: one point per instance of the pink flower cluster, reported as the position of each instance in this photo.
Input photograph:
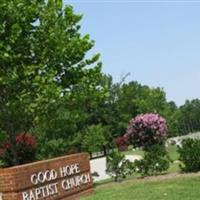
(146, 130)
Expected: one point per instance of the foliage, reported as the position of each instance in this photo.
(184, 119)
(146, 130)
(93, 138)
(121, 143)
(155, 161)
(128, 100)
(190, 155)
(42, 57)
(1, 164)
(25, 147)
(50, 87)
(117, 166)
(3, 137)
(68, 125)
(131, 99)
(51, 149)
(75, 114)
(188, 117)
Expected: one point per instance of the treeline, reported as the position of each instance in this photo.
(186, 118)
(91, 116)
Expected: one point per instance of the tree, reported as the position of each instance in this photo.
(149, 131)
(42, 58)
(117, 166)
(146, 130)
(65, 128)
(93, 139)
(132, 99)
(189, 117)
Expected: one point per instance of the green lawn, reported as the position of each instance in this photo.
(135, 152)
(183, 188)
(173, 152)
(171, 149)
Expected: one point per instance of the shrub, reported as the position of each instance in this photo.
(189, 153)
(25, 147)
(156, 160)
(117, 166)
(122, 143)
(146, 130)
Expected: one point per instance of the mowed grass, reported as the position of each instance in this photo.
(183, 188)
(171, 149)
(173, 152)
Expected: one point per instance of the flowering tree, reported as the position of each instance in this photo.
(149, 131)
(121, 143)
(146, 130)
(25, 148)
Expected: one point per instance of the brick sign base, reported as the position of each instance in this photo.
(62, 178)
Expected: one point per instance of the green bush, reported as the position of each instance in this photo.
(51, 148)
(93, 138)
(155, 161)
(117, 166)
(189, 153)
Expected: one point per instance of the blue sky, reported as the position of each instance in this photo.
(158, 42)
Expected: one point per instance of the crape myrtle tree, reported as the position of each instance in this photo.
(149, 131)
(42, 58)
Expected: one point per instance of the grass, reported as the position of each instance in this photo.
(171, 149)
(135, 152)
(174, 167)
(184, 188)
(178, 188)
(173, 152)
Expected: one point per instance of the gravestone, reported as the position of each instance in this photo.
(62, 178)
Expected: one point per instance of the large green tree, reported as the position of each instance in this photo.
(77, 111)
(42, 58)
(134, 98)
(188, 117)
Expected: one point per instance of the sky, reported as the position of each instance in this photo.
(157, 42)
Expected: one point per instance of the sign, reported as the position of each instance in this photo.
(72, 178)
(60, 178)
